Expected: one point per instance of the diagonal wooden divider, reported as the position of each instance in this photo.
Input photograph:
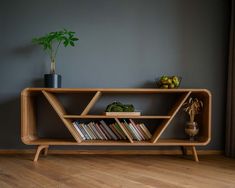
(172, 113)
(91, 103)
(124, 130)
(61, 112)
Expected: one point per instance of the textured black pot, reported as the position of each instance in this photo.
(52, 80)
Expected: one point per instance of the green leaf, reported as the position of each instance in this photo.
(74, 39)
(66, 42)
(71, 43)
(48, 40)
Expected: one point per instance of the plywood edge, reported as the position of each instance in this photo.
(208, 92)
(25, 92)
(117, 90)
(109, 152)
(28, 139)
(206, 142)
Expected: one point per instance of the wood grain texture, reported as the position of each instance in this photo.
(124, 129)
(172, 113)
(160, 142)
(29, 134)
(39, 149)
(67, 119)
(57, 106)
(115, 90)
(28, 118)
(91, 103)
(114, 116)
(112, 152)
(116, 171)
(195, 154)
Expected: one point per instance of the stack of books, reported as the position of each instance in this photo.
(99, 131)
(103, 131)
(138, 131)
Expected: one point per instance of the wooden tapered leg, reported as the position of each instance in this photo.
(46, 151)
(39, 149)
(195, 154)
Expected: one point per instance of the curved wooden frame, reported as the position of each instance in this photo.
(28, 117)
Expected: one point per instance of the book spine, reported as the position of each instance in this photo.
(144, 136)
(92, 131)
(134, 132)
(85, 129)
(79, 131)
(96, 131)
(128, 129)
(115, 131)
(101, 131)
(89, 132)
(113, 136)
(137, 129)
(118, 128)
(82, 130)
(146, 130)
(118, 132)
(105, 132)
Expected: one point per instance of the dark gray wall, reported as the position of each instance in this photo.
(123, 43)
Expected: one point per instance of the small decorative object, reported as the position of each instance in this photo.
(51, 43)
(117, 108)
(193, 106)
(169, 82)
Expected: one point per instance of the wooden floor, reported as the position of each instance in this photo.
(63, 171)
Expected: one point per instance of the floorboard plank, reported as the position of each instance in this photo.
(104, 171)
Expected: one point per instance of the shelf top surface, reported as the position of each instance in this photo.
(160, 142)
(117, 116)
(116, 90)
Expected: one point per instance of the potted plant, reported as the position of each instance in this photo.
(193, 107)
(51, 43)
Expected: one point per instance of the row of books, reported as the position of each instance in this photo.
(138, 131)
(103, 131)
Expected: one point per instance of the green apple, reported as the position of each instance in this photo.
(165, 86)
(164, 78)
(172, 86)
(176, 81)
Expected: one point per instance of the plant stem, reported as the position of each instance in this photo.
(192, 117)
(57, 49)
(52, 71)
(53, 57)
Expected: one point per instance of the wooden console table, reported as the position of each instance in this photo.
(29, 133)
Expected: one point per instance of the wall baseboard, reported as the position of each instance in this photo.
(111, 152)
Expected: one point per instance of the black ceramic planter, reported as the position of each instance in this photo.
(52, 80)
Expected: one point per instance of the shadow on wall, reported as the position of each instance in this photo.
(24, 50)
(38, 82)
(147, 84)
(10, 124)
(30, 58)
